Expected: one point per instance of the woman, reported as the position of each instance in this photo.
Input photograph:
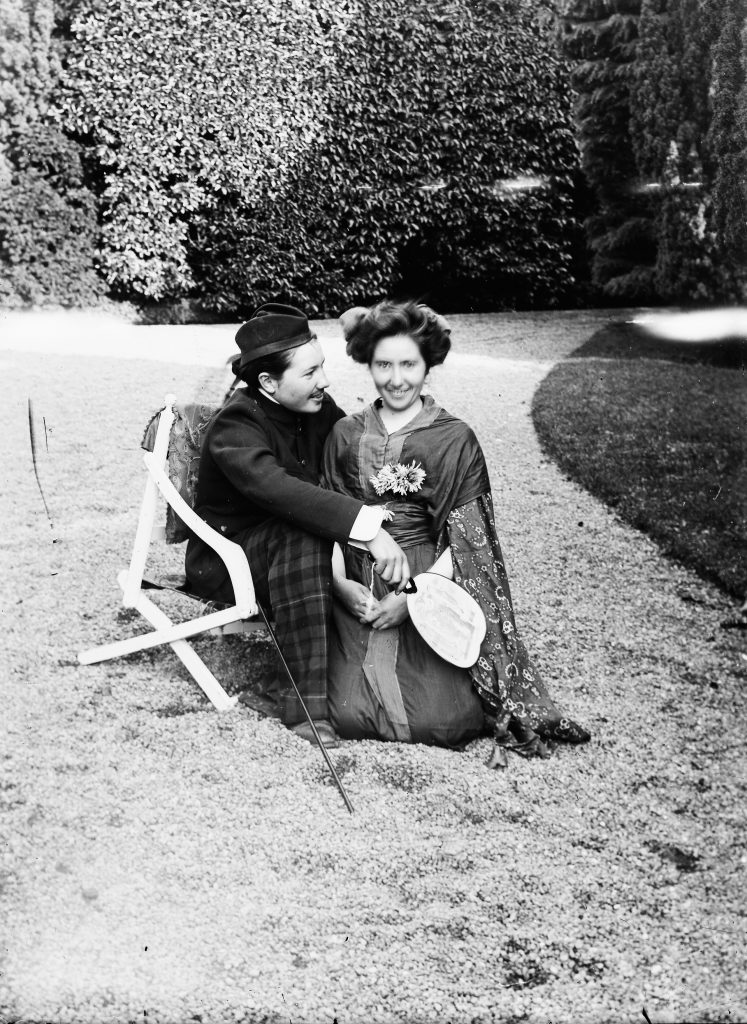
(428, 470)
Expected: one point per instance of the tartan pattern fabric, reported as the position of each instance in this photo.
(292, 572)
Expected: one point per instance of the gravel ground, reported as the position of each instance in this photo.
(162, 862)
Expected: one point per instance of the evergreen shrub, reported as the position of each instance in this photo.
(327, 153)
(670, 114)
(727, 144)
(600, 40)
(48, 224)
(48, 217)
(27, 66)
(661, 110)
(183, 104)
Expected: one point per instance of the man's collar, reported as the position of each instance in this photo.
(274, 410)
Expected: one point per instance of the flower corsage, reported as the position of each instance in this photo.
(399, 479)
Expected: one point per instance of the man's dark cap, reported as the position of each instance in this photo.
(271, 328)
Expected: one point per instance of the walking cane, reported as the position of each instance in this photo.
(317, 737)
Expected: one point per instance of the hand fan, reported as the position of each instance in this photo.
(448, 619)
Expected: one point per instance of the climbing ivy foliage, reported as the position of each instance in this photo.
(48, 215)
(727, 144)
(329, 152)
(27, 64)
(185, 103)
(326, 152)
(664, 144)
(670, 115)
(601, 39)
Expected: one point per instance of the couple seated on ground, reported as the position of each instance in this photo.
(336, 512)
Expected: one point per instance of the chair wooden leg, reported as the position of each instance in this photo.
(189, 658)
(167, 633)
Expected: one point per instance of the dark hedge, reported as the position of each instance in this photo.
(670, 114)
(663, 138)
(48, 226)
(600, 39)
(327, 153)
(48, 216)
(727, 144)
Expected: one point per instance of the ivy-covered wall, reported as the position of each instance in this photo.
(601, 37)
(671, 110)
(326, 152)
(185, 103)
(663, 143)
(727, 145)
(48, 215)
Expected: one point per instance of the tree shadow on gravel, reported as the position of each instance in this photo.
(626, 340)
(656, 430)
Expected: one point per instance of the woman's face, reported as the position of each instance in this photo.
(398, 370)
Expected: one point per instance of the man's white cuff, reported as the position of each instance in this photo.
(367, 524)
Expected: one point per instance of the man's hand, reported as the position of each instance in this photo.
(392, 611)
(390, 561)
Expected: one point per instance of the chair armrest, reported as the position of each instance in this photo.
(232, 554)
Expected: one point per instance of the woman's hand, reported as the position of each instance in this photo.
(358, 599)
(392, 611)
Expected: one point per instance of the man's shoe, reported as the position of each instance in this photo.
(327, 734)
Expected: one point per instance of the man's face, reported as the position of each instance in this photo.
(302, 386)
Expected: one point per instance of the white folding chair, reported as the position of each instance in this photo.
(238, 618)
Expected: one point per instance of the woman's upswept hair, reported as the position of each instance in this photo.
(364, 328)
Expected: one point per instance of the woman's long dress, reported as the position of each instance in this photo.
(389, 684)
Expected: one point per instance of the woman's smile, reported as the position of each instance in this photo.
(398, 370)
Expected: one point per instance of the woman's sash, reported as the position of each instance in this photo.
(412, 524)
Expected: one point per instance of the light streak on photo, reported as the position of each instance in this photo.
(698, 325)
(521, 183)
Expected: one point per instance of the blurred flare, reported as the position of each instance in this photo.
(431, 185)
(698, 326)
(658, 186)
(521, 183)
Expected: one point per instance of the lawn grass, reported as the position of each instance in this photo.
(574, 890)
(657, 432)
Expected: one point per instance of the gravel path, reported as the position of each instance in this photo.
(162, 862)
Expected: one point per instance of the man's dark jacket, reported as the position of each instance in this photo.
(261, 462)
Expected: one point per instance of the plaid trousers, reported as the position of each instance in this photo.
(292, 572)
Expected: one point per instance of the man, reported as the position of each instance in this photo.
(258, 485)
